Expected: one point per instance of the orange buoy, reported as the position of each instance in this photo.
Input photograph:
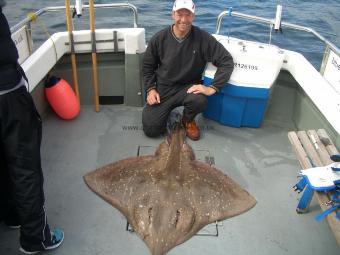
(61, 97)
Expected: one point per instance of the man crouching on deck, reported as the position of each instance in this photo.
(172, 70)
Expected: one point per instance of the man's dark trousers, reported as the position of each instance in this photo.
(154, 117)
(21, 187)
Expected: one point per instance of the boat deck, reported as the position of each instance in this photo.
(260, 160)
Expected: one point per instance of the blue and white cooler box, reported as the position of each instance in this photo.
(243, 100)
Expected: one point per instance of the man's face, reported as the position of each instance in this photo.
(183, 19)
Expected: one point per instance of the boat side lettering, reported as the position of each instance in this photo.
(337, 66)
(21, 42)
(18, 40)
(246, 66)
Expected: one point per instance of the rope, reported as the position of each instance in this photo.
(34, 18)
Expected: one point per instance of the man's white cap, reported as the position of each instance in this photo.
(184, 4)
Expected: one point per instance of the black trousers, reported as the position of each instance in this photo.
(21, 177)
(154, 117)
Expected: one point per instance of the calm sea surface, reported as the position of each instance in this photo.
(321, 15)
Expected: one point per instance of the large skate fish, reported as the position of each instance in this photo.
(169, 196)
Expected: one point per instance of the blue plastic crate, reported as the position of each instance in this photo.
(237, 106)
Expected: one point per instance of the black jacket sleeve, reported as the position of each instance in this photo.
(8, 53)
(150, 65)
(10, 75)
(221, 58)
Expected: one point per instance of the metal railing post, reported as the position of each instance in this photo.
(324, 59)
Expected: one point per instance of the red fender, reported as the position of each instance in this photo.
(62, 98)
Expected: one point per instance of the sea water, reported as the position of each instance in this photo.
(154, 15)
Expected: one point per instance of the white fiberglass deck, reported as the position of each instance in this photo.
(260, 160)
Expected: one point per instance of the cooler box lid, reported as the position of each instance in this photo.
(256, 64)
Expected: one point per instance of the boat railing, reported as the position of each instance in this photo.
(22, 31)
(27, 21)
(271, 22)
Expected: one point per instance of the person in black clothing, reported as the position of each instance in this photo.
(172, 71)
(21, 176)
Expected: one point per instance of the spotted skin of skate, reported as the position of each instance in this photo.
(169, 196)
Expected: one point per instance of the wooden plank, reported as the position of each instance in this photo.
(316, 147)
(330, 147)
(299, 150)
(333, 222)
(319, 147)
(309, 148)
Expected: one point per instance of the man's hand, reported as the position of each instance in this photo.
(201, 89)
(153, 97)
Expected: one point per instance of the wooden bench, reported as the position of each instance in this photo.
(313, 148)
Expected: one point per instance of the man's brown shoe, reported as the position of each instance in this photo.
(192, 130)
